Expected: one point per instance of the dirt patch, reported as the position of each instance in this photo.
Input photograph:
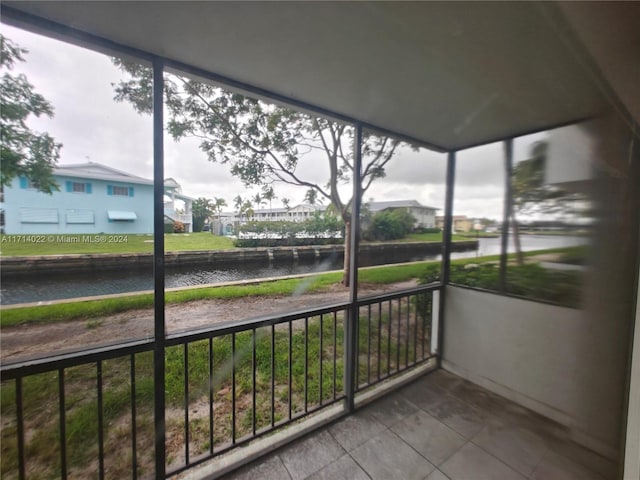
(28, 341)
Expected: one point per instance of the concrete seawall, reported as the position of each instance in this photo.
(32, 265)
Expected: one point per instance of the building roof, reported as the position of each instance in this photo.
(99, 171)
(378, 206)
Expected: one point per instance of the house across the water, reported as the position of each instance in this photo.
(224, 224)
(92, 198)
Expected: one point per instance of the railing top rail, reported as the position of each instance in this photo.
(364, 301)
(235, 326)
(81, 357)
(73, 359)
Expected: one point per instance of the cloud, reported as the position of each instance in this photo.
(92, 126)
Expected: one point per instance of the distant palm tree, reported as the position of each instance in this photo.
(237, 202)
(311, 197)
(218, 204)
(258, 200)
(268, 194)
(247, 209)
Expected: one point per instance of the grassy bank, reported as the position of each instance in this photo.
(97, 308)
(25, 245)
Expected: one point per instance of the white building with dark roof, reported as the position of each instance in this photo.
(425, 216)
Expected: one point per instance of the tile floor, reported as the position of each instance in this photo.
(438, 427)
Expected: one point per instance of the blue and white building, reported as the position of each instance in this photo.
(92, 198)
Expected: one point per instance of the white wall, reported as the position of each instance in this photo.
(532, 353)
(632, 447)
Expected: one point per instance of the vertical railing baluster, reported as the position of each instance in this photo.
(406, 338)
(356, 355)
(379, 337)
(389, 340)
(368, 344)
(20, 428)
(211, 396)
(290, 370)
(134, 426)
(335, 351)
(100, 420)
(425, 333)
(186, 403)
(306, 362)
(273, 374)
(253, 380)
(233, 388)
(320, 355)
(63, 425)
(415, 331)
(399, 336)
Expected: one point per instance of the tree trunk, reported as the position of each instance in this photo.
(516, 240)
(347, 253)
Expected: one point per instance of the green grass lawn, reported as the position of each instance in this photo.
(289, 370)
(22, 245)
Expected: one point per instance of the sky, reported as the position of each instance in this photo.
(93, 127)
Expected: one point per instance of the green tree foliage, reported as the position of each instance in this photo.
(23, 151)
(201, 210)
(311, 196)
(261, 143)
(218, 204)
(319, 229)
(390, 225)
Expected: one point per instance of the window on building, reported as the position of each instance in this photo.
(119, 191)
(78, 187)
(26, 183)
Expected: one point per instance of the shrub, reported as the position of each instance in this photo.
(178, 227)
(390, 225)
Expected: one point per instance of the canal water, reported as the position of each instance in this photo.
(54, 287)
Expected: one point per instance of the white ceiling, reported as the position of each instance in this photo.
(449, 74)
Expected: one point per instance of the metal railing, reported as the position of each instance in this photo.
(90, 413)
(394, 336)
